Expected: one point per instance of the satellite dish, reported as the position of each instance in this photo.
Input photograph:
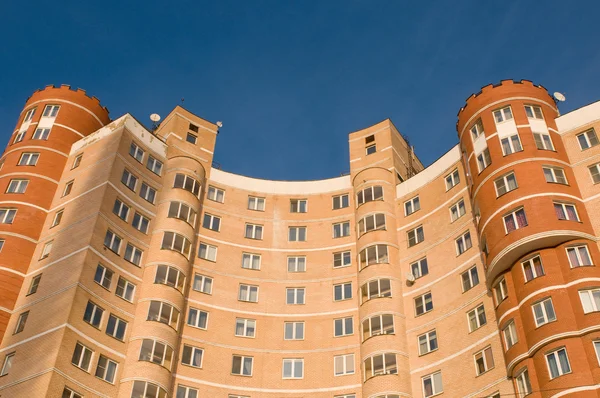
(410, 278)
(559, 96)
(155, 117)
(219, 124)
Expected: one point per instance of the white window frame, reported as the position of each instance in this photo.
(7, 364)
(152, 353)
(523, 383)
(243, 360)
(415, 234)
(169, 276)
(514, 145)
(174, 313)
(530, 263)
(340, 200)
(96, 314)
(380, 323)
(375, 194)
(253, 231)
(298, 205)
(509, 334)
(209, 250)
(431, 377)
(248, 327)
(378, 252)
(347, 365)
(595, 173)
(147, 193)
(103, 371)
(564, 207)
(118, 323)
(543, 305)
(133, 254)
(457, 210)
(17, 186)
(487, 366)
(180, 182)
(543, 141)
(372, 289)
(82, 355)
(345, 259)
(500, 291)
(46, 250)
(182, 211)
(341, 229)
(7, 215)
(342, 288)
(50, 110)
(464, 243)
(141, 224)
(423, 299)
(513, 215)
(192, 350)
(346, 326)
(503, 114)
(586, 137)
(557, 175)
(593, 303)
(256, 203)
(476, 314)
(577, 249)
(452, 179)
(294, 362)
(113, 239)
(375, 219)
(421, 267)
(295, 232)
(247, 295)
(530, 111)
(202, 283)
(427, 338)
(195, 316)
(29, 115)
(188, 392)
(411, 206)
(28, 159)
(57, 218)
(35, 283)
(68, 188)
(251, 261)
(471, 280)
(19, 136)
(484, 161)
(476, 129)
(128, 179)
(555, 354)
(104, 275)
(215, 194)
(383, 371)
(154, 165)
(293, 327)
(136, 152)
(121, 210)
(125, 287)
(41, 133)
(296, 264)
(503, 185)
(296, 295)
(169, 242)
(21, 322)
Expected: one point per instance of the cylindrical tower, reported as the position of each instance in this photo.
(51, 121)
(535, 234)
(161, 313)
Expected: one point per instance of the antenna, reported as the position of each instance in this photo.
(155, 117)
(219, 124)
(410, 278)
(559, 96)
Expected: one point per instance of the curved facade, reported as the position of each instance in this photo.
(166, 277)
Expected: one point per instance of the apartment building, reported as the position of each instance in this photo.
(131, 267)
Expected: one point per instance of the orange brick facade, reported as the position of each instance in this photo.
(131, 267)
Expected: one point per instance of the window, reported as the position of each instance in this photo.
(7, 364)
(343, 327)
(477, 129)
(7, 216)
(93, 314)
(543, 312)
(500, 291)
(296, 264)
(427, 342)
(375, 254)
(183, 212)
(558, 363)
(50, 110)
(129, 180)
(411, 206)
(432, 384)
(241, 365)
(116, 327)
(297, 234)
(68, 188)
(341, 201)
(207, 252)
(21, 322)
(484, 159)
(343, 364)
(587, 139)
(106, 369)
(144, 389)
(484, 361)
(254, 231)
(133, 254)
(192, 356)
(423, 304)
(534, 112)
(1, 244)
(163, 313)
(186, 182)
(136, 152)
(457, 210)
(510, 334)
(342, 259)
(193, 128)
(469, 279)
(597, 349)
(170, 276)
(381, 364)
(245, 327)
(82, 357)
(68, 393)
(28, 159)
(502, 115)
(148, 193)
(293, 330)
(505, 184)
(543, 141)
(186, 392)
(523, 383)
(294, 295)
(293, 368)
(121, 209)
(57, 218)
(140, 223)
(415, 236)
(515, 220)
(590, 300)
(29, 115)
(17, 186)
(176, 242)
(369, 194)
(157, 352)
(103, 276)
(215, 194)
(257, 204)
(452, 179)
(35, 283)
(248, 293)
(565, 211)
(371, 149)
(342, 291)
(19, 136)
(211, 222)
(419, 268)
(46, 250)
(250, 261)
(41, 134)
(372, 222)
(375, 289)
(476, 318)
(197, 318)
(202, 284)
(554, 175)
(511, 144)
(463, 243)
(191, 138)
(154, 165)
(532, 268)
(298, 205)
(595, 173)
(579, 256)
(125, 289)
(378, 324)
(341, 229)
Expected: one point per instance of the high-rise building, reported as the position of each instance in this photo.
(131, 267)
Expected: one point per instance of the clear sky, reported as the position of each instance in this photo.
(290, 79)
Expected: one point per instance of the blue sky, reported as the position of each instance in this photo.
(290, 79)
